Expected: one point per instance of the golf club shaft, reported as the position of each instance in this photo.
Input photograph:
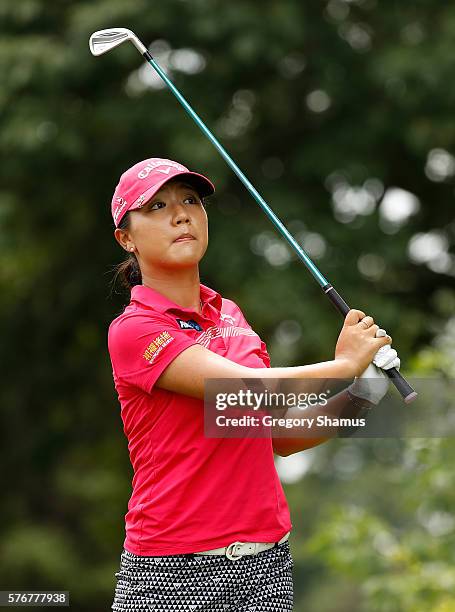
(397, 379)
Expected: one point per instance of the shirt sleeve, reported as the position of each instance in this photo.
(141, 347)
(263, 353)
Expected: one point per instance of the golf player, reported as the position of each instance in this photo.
(207, 525)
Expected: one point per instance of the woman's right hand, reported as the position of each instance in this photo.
(357, 343)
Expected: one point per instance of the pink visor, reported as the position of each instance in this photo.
(140, 183)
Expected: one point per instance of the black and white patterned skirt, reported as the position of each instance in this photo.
(196, 583)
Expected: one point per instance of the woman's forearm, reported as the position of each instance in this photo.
(336, 368)
(188, 372)
(343, 405)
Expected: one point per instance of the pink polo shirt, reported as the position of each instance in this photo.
(190, 493)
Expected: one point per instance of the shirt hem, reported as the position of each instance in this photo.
(194, 547)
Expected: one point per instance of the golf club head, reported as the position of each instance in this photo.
(103, 41)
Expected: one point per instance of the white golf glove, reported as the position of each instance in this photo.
(373, 384)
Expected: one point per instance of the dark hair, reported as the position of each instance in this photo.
(128, 271)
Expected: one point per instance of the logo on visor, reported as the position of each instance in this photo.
(190, 324)
(140, 201)
(150, 167)
(121, 203)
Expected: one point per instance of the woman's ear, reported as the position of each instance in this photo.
(122, 237)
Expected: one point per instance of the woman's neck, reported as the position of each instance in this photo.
(183, 287)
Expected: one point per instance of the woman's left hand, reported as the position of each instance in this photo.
(386, 357)
(372, 384)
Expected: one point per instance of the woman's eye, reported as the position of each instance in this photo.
(191, 200)
(157, 205)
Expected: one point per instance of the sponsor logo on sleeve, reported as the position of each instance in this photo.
(190, 324)
(156, 346)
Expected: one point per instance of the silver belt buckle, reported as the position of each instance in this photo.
(230, 551)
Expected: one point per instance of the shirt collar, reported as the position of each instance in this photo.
(153, 299)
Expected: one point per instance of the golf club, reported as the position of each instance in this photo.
(103, 41)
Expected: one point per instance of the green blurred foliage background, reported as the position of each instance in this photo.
(341, 114)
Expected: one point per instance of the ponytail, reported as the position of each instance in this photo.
(128, 272)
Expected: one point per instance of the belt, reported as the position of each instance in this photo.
(235, 550)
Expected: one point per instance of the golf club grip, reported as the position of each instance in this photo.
(336, 300)
(402, 385)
